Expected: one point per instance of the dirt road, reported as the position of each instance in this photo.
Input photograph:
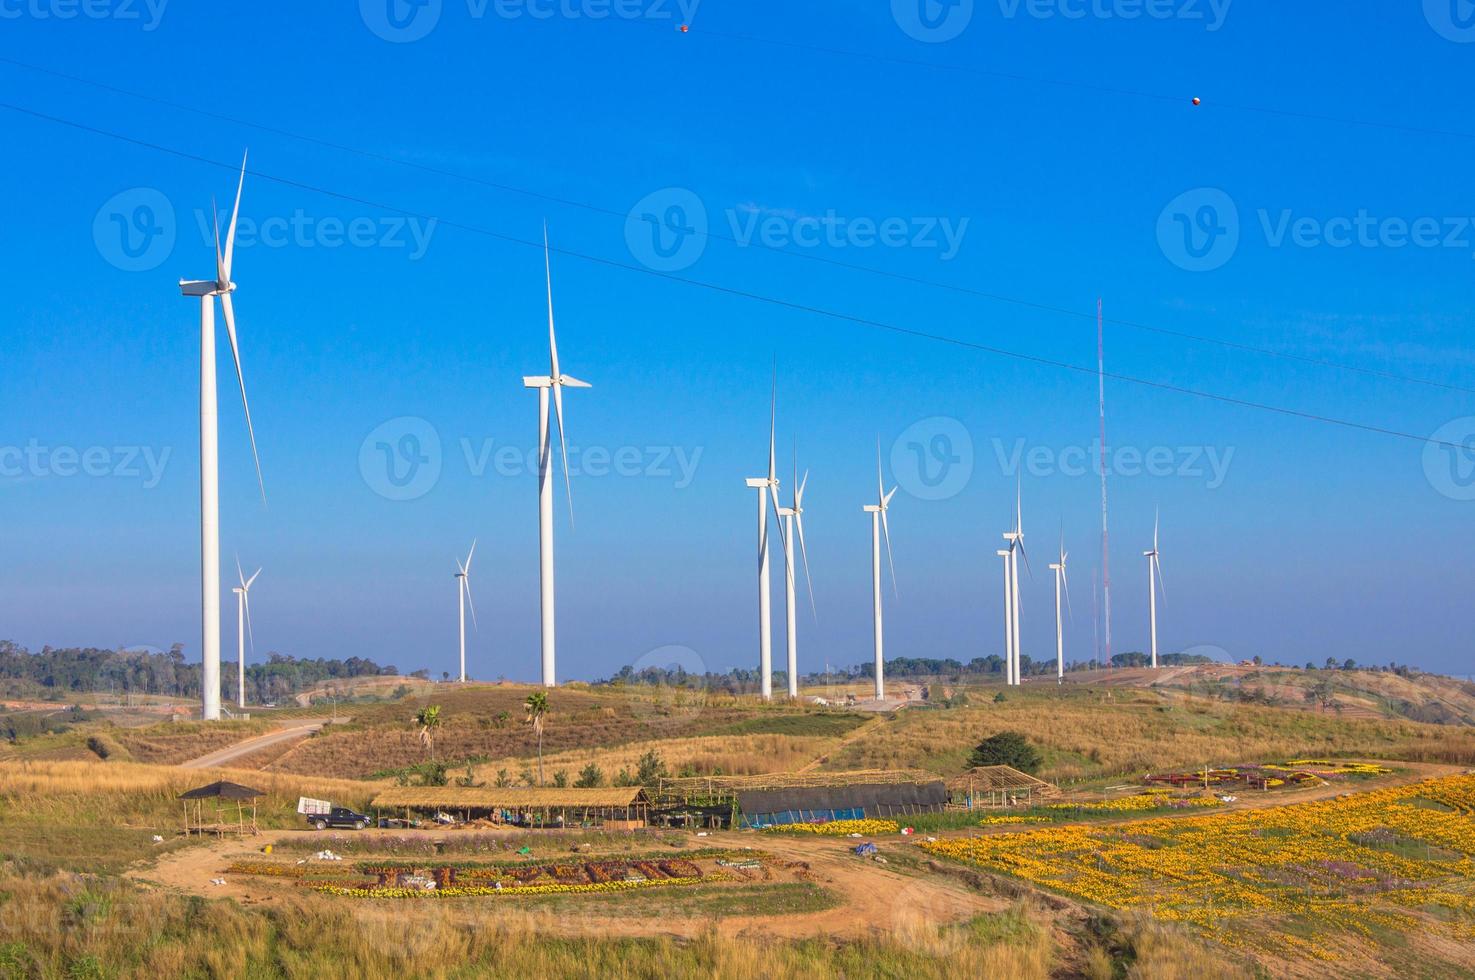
(301, 728)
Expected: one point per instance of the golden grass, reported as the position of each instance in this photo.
(737, 755)
(1092, 733)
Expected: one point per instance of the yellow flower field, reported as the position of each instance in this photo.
(1380, 858)
(1149, 800)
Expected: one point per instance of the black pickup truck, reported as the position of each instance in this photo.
(339, 816)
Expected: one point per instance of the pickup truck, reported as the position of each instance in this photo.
(339, 816)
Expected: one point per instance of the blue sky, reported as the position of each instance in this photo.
(1062, 154)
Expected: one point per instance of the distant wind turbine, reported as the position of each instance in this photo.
(880, 527)
(1061, 584)
(554, 381)
(767, 488)
(206, 290)
(794, 520)
(243, 626)
(463, 593)
(1154, 583)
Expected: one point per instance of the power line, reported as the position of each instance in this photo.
(1176, 98)
(742, 293)
(711, 235)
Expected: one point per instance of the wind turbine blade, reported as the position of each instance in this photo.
(886, 533)
(230, 234)
(1161, 587)
(568, 490)
(469, 556)
(235, 351)
(799, 486)
(1027, 569)
(239, 573)
(778, 518)
(772, 424)
(804, 552)
(252, 579)
(466, 585)
(219, 260)
(246, 601)
(1065, 582)
(548, 279)
(1154, 529)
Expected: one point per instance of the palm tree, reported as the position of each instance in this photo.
(428, 718)
(537, 706)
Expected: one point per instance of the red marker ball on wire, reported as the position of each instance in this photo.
(684, 28)
(1196, 100)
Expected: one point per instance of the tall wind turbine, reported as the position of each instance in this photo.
(767, 488)
(553, 381)
(463, 594)
(1007, 555)
(1154, 582)
(794, 519)
(1016, 549)
(1060, 585)
(878, 528)
(243, 626)
(206, 290)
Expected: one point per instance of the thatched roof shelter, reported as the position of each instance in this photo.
(625, 806)
(506, 798)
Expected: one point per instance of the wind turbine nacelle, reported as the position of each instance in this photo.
(198, 287)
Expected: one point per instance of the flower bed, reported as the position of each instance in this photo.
(479, 891)
(838, 828)
(1141, 801)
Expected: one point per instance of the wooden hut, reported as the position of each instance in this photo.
(614, 807)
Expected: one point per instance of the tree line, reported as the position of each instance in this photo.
(61, 671)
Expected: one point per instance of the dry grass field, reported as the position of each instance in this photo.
(78, 833)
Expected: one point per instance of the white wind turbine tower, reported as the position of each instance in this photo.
(243, 626)
(1061, 584)
(794, 519)
(1007, 555)
(1016, 549)
(463, 593)
(1154, 583)
(206, 290)
(878, 528)
(767, 488)
(555, 382)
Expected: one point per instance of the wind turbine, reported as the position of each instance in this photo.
(1154, 582)
(206, 290)
(243, 626)
(794, 518)
(878, 528)
(1016, 549)
(463, 593)
(553, 381)
(767, 488)
(1061, 584)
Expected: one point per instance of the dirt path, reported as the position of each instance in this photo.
(860, 731)
(298, 729)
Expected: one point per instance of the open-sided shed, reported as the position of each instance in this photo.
(621, 806)
(998, 786)
(779, 798)
(220, 790)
